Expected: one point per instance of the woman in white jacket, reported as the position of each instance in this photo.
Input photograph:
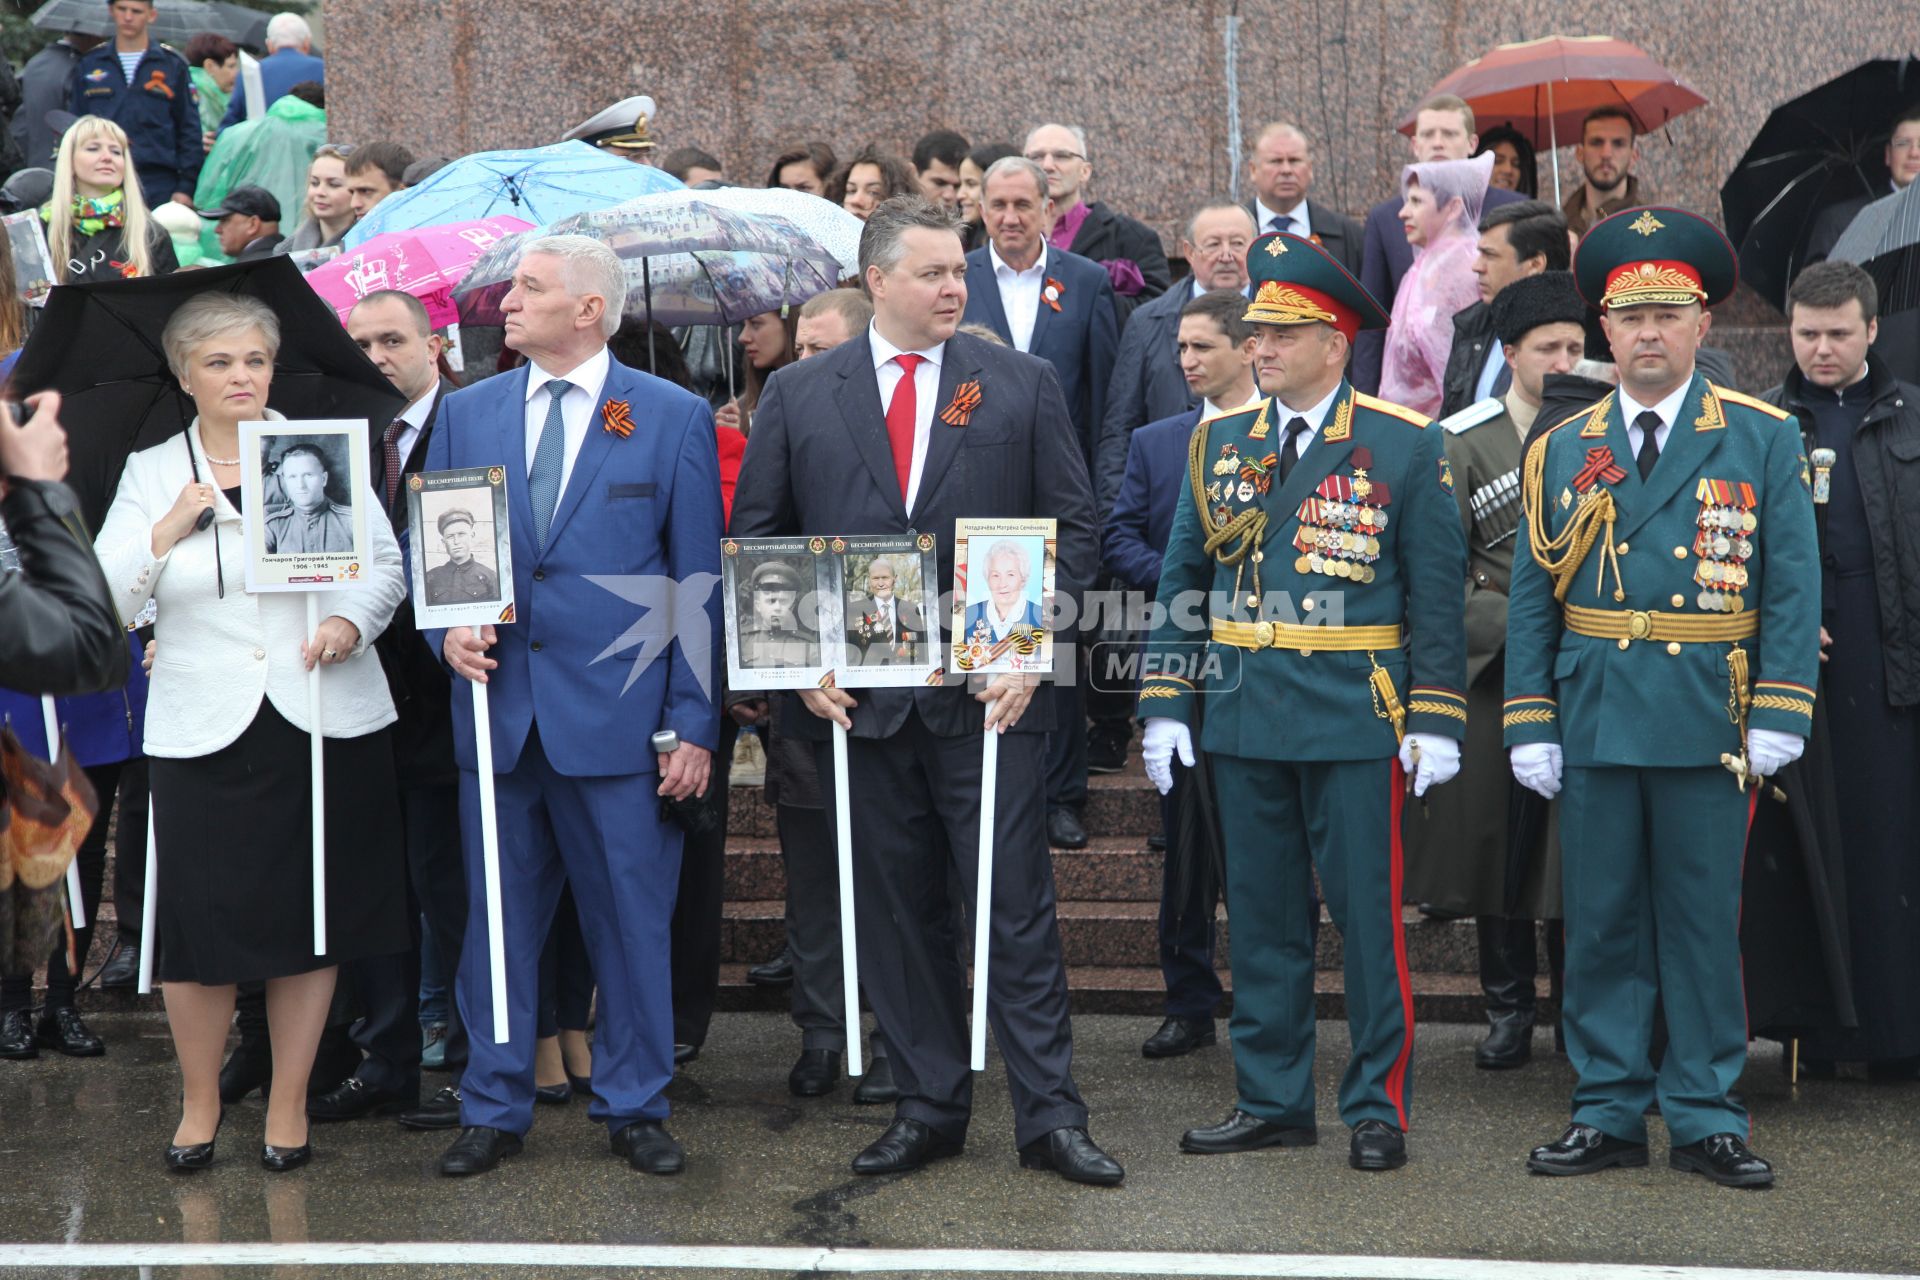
(227, 734)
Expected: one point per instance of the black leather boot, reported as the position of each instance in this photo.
(1506, 976)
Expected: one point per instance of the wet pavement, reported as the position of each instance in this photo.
(80, 1146)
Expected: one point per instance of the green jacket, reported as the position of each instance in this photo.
(272, 152)
(1321, 704)
(1485, 454)
(1731, 483)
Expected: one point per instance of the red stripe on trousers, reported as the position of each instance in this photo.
(1397, 1075)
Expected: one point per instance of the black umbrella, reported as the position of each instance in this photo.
(175, 22)
(1196, 844)
(1885, 240)
(99, 346)
(1824, 148)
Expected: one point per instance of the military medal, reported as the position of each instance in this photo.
(1245, 491)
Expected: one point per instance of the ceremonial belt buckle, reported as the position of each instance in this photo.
(1639, 624)
(1263, 635)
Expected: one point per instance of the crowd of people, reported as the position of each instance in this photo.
(1346, 407)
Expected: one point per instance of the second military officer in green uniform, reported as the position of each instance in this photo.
(462, 579)
(1663, 629)
(1316, 531)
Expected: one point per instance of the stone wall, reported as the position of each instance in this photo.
(1147, 79)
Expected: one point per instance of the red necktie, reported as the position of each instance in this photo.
(901, 412)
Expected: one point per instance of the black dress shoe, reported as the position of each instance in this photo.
(282, 1159)
(194, 1156)
(1376, 1147)
(355, 1098)
(777, 972)
(877, 1085)
(441, 1111)
(685, 1053)
(1064, 830)
(904, 1147)
(61, 1029)
(1243, 1132)
(1072, 1154)
(122, 969)
(1157, 842)
(553, 1095)
(16, 1035)
(1585, 1149)
(649, 1148)
(477, 1150)
(1724, 1158)
(1107, 750)
(249, 1067)
(337, 1059)
(1177, 1036)
(1509, 1041)
(815, 1074)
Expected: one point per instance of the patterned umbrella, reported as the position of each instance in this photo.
(689, 258)
(426, 263)
(1545, 88)
(541, 185)
(1884, 238)
(824, 220)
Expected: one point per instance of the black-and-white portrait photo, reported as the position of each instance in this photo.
(773, 632)
(309, 495)
(462, 566)
(781, 606)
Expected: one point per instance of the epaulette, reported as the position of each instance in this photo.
(1228, 415)
(1391, 409)
(1474, 414)
(1752, 402)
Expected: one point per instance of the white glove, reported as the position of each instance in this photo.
(1536, 766)
(1769, 751)
(1164, 736)
(1439, 760)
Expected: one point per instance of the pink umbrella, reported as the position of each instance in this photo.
(426, 262)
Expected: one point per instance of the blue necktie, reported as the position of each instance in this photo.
(549, 456)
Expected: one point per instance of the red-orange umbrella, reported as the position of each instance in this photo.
(1545, 88)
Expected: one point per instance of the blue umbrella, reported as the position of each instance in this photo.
(541, 185)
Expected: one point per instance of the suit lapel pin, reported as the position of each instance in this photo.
(966, 398)
(1052, 294)
(616, 416)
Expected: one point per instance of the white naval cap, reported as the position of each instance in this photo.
(622, 125)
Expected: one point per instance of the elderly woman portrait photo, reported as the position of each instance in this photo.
(227, 734)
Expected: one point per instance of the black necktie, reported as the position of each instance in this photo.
(1649, 424)
(1291, 446)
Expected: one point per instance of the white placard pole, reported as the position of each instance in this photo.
(319, 770)
(490, 855)
(149, 904)
(50, 717)
(983, 893)
(843, 840)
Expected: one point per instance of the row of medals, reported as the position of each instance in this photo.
(1723, 548)
(1344, 546)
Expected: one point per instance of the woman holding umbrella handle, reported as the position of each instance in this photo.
(228, 741)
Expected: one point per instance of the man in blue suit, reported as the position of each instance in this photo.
(1060, 307)
(609, 472)
(1214, 344)
(1442, 130)
(290, 61)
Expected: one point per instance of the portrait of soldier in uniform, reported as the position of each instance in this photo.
(308, 521)
(773, 636)
(462, 579)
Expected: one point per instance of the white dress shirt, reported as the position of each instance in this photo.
(926, 387)
(589, 378)
(1214, 408)
(1668, 409)
(1003, 626)
(1314, 416)
(415, 418)
(1020, 294)
(1297, 222)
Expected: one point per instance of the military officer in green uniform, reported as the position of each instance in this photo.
(1318, 547)
(1662, 645)
(772, 637)
(1458, 855)
(462, 579)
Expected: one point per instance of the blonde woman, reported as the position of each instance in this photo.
(329, 208)
(98, 226)
(227, 740)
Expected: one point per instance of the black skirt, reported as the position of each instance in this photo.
(233, 835)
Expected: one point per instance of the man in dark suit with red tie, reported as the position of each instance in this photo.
(969, 429)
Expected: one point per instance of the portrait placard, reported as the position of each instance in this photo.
(303, 507)
(889, 600)
(783, 617)
(462, 547)
(1002, 596)
(32, 260)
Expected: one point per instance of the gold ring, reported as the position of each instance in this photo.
(327, 653)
